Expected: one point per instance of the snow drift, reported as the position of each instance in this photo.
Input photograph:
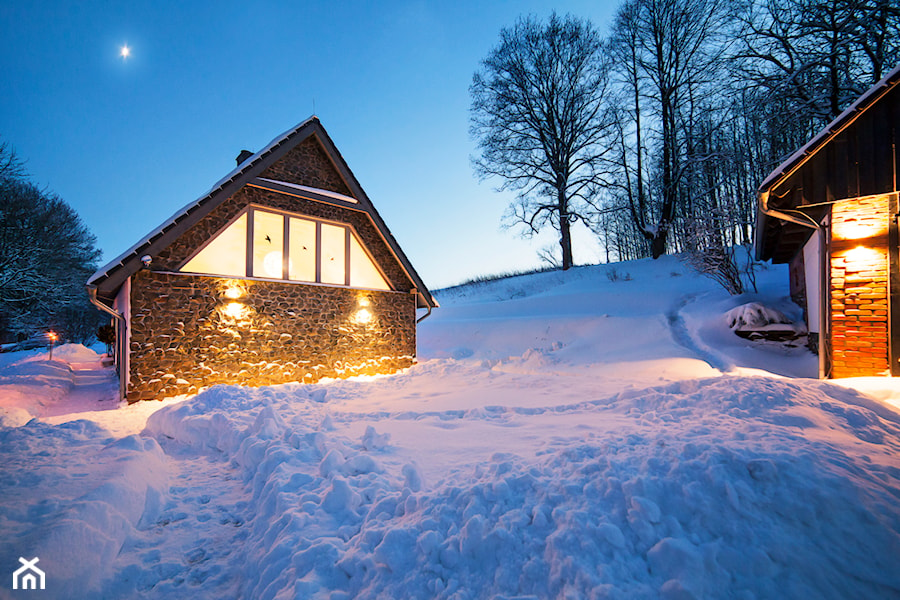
(719, 488)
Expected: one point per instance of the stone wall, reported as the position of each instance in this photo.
(308, 164)
(859, 287)
(191, 332)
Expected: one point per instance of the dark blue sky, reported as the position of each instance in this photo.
(128, 142)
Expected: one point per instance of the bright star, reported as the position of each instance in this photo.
(125, 52)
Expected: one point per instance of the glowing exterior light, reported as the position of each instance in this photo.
(862, 254)
(856, 222)
(362, 316)
(51, 335)
(234, 292)
(125, 51)
(235, 310)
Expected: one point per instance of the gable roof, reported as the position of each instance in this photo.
(851, 157)
(109, 278)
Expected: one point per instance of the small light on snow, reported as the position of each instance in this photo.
(125, 51)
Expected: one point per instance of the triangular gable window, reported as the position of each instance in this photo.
(363, 272)
(317, 252)
(226, 254)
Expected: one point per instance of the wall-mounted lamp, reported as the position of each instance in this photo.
(861, 254)
(235, 310)
(362, 316)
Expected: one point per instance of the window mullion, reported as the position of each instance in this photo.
(286, 249)
(250, 243)
(318, 252)
(347, 256)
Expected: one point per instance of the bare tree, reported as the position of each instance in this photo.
(879, 25)
(10, 164)
(708, 97)
(667, 55)
(536, 113)
(820, 56)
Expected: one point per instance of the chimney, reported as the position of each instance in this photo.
(244, 155)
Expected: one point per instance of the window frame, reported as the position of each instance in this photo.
(249, 211)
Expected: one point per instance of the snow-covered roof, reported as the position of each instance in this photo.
(110, 277)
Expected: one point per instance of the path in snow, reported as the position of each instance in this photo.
(682, 336)
(95, 387)
(195, 539)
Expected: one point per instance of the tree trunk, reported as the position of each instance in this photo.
(658, 243)
(565, 241)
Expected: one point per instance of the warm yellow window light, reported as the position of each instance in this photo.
(268, 244)
(315, 251)
(302, 250)
(226, 254)
(272, 264)
(334, 245)
(363, 272)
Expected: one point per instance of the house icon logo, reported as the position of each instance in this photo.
(28, 576)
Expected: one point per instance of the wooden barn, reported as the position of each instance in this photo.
(831, 211)
(283, 272)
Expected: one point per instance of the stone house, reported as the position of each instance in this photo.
(283, 272)
(830, 210)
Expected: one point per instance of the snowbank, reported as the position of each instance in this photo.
(29, 384)
(71, 495)
(32, 386)
(75, 353)
(720, 488)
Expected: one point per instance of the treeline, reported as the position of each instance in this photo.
(659, 138)
(46, 256)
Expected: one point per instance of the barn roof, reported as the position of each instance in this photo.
(109, 278)
(852, 157)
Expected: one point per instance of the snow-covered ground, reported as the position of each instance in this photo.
(599, 433)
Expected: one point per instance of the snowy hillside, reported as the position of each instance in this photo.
(589, 434)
